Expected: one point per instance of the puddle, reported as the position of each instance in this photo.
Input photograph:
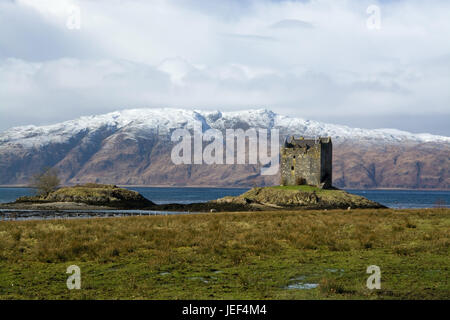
(299, 284)
(298, 278)
(31, 214)
(199, 278)
(335, 270)
(302, 286)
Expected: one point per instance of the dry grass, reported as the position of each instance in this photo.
(256, 252)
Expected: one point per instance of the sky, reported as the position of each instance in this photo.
(367, 64)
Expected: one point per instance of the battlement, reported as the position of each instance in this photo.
(301, 142)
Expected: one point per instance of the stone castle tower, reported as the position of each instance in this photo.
(307, 161)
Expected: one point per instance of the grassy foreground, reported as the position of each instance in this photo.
(259, 255)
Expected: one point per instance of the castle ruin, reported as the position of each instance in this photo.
(306, 161)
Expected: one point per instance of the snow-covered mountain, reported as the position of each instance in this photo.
(133, 147)
(149, 121)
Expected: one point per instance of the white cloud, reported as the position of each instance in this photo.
(312, 59)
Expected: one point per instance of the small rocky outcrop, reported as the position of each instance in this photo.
(92, 194)
(299, 197)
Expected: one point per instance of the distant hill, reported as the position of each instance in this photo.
(133, 147)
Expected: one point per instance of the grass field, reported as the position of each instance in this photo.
(259, 255)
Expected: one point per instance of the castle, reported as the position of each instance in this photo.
(306, 161)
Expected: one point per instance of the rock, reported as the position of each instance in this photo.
(93, 194)
(307, 197)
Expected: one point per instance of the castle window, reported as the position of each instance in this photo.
(294, 157)
(292, 168)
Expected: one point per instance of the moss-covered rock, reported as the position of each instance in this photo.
(93, 194)
(307, 197)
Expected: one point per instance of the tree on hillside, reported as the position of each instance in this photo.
(45, 182)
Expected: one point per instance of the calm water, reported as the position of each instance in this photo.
(187, 195)
(389, 198)
(407, 198)
(11, 194)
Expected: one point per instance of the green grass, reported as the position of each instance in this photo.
(230, 256)
(305, 188)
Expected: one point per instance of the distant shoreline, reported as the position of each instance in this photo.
(230, 187)
(398, 189)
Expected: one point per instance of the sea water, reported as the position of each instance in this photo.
(164, 195)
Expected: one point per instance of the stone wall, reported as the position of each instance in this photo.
(326, 176)
(310, 165)
(299, 165)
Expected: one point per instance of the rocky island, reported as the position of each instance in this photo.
(281, 198)
(299, 197)
(86, 196)
(92, 196)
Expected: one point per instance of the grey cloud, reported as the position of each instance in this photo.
(25, 34)
(248, 37)
(292, 24)
(375, 86)
(229, 56)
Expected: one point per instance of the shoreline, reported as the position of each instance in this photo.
(230, 187)
(45, 215)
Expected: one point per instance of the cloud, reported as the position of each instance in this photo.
(311, 59)
(249, 37)
(291, 24)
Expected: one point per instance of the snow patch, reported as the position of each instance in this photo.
(140, 121)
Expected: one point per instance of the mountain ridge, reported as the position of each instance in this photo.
(132, 147)
(254, 117)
